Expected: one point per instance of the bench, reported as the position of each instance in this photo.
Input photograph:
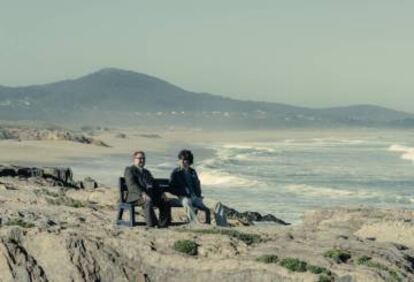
(163, 183)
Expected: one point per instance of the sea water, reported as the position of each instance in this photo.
(289, 176)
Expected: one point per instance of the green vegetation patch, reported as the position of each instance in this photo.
(294, 264)
(65, 201)
(268, 258)
(317, 269)
(245, 237)
(367, 261)
(186, 246)
(338, 255)
(325, 278)
(20, 222)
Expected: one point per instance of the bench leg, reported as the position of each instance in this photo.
(131, 215)
(120, 213)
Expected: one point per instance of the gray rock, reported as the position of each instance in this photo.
(249, 216)
(88, 184)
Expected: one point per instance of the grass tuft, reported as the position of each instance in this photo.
(20, 222)
(186, 246)
(317, 269)
(268, 258)
(294, 264)
(338, 255)
(325, 278)
(65, 201)
(245, 237)
(367, 261)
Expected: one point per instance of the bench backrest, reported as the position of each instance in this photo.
(163, 183)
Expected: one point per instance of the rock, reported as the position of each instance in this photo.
(7, 171)
(29, 172)
(249, 216)
(88, 184)
(78, 243)
(23, 133)
(121, 135)
(56, 176)
(64, 175)
(50, 222)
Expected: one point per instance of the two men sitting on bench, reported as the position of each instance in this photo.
(184, 183)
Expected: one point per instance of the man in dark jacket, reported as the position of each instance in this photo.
(185, 184)
(143, 190)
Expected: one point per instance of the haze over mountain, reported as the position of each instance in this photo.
(118, 97)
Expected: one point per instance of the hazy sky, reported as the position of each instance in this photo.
(311, 53)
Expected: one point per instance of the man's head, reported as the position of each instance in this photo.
(138, 158)
(185, 158)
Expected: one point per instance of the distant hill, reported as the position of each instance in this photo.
(118, 97)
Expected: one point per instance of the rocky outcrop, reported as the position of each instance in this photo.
(52, 234)
(88, 183)
(55, 176)
(47, 134)
(23, 267)
(249, 217)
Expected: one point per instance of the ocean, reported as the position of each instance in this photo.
(291, 175)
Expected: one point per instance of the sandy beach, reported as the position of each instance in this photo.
(43, 152)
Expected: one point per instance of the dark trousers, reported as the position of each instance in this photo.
(198, 203)
(149, 213)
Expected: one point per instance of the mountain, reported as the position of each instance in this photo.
(118, 97)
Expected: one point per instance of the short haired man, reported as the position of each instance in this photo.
(185, 184)
(143, 190)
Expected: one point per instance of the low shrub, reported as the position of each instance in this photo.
(338, 255)
(245, 237)
(186, 246)
(268, 258)
(317, 269)
(20, 222)
(294, 264)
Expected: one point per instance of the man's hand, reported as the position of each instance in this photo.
(164, 196)
(146, 197)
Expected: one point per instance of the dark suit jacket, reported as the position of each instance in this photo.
(138, 182)
(178, 182)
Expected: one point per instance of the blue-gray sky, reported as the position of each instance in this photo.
(312, 53)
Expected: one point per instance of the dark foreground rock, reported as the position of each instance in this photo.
(249, 217)
(56, 176)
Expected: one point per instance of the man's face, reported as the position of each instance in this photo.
(139, 160)
(184, 163)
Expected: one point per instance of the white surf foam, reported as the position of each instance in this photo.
(326, 192)
(218, 178)
(407, 153)
(255, 147)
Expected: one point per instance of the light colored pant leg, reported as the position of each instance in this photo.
(187, 204)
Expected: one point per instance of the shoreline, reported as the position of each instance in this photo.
(87, 160)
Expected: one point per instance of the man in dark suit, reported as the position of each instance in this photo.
(144, 191)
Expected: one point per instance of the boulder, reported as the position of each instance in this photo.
(249, 217)
(88, 184)
(64, 175)
(7, 171)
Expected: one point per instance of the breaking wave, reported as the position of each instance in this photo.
(326, 192)
(407, 153)
(218, 178)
